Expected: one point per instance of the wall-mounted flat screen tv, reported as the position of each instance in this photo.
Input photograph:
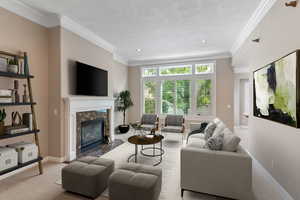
(91, 81)
(276, 91)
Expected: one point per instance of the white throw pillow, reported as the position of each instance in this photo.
(209, 130)
(230, 142)
(227, 131)
(219, 129)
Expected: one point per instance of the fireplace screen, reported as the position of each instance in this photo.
(92, 133)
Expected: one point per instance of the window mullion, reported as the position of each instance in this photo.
(193, 96)
(175, 97)
(158, 96)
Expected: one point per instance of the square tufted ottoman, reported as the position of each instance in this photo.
(135, 182)
(87, 176)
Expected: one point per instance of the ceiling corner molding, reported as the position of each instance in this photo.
(51, 20)
(85, 33)
(195, 58)
(241, 70)
(42, 18)
(120, 59)
(257, 16)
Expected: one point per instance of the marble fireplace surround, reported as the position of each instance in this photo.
(83, 104)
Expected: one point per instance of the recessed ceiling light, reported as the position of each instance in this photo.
(138, 50)
(204, 41)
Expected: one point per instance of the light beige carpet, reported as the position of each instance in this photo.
(28, 186)
(170, 166)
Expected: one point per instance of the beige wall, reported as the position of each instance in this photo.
(52, 53)
(274, 145)
(224, 91)
(19, 34)
(225, 88)
(120, 83)
(75, 48)
(134, 85)
(55, 149)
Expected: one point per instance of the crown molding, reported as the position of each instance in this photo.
(150, 62)
(257, 16)
(241, 70)
(49, 20)
(85, 33)
(120, 59)
(42, 18)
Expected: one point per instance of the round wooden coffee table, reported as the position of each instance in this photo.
(147, 140)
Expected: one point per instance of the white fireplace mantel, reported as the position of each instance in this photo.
(82, 104)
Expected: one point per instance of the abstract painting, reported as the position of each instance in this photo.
(276, 91)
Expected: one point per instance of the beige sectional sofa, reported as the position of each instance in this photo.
(221, 173)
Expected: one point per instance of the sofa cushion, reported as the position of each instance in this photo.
(209, 130)
(230, 142)
(196, 138)
(197, 144)
(215, 143)
(172, 129)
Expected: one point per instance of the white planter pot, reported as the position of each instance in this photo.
(13, 68)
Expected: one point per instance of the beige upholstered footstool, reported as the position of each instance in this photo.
(135, 182)
(87, 176)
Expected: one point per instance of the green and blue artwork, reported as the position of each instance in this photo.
(275, 91)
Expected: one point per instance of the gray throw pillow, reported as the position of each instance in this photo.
(230, 142)
(215, 143)
(209, 130)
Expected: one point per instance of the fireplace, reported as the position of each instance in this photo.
(92, 128)
(80, 109)
(92, 134)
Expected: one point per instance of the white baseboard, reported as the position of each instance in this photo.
(22, 169)
(284, 195)
(55, 159)
(45, 159)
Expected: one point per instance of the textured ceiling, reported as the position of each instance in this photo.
(161, 28)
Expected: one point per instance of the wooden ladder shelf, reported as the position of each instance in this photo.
(32, 104)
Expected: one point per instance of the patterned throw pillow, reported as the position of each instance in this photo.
(230, 142)
(215, 143)
(209, 130)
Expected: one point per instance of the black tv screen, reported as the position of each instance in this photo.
(91, 81)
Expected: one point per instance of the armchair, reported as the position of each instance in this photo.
(149, 122)
(174, 124)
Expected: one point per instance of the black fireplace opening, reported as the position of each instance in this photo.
(92, 134)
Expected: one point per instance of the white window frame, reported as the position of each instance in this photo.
(212, 70)
(193, 77)
(174, 66)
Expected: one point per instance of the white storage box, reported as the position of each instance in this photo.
(26, 151)
(8, 158)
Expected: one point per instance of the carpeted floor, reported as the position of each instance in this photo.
(170, 166)
(27, 185)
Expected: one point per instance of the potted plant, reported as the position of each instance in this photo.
(13, 65)
(123, 103)
(2, 118)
